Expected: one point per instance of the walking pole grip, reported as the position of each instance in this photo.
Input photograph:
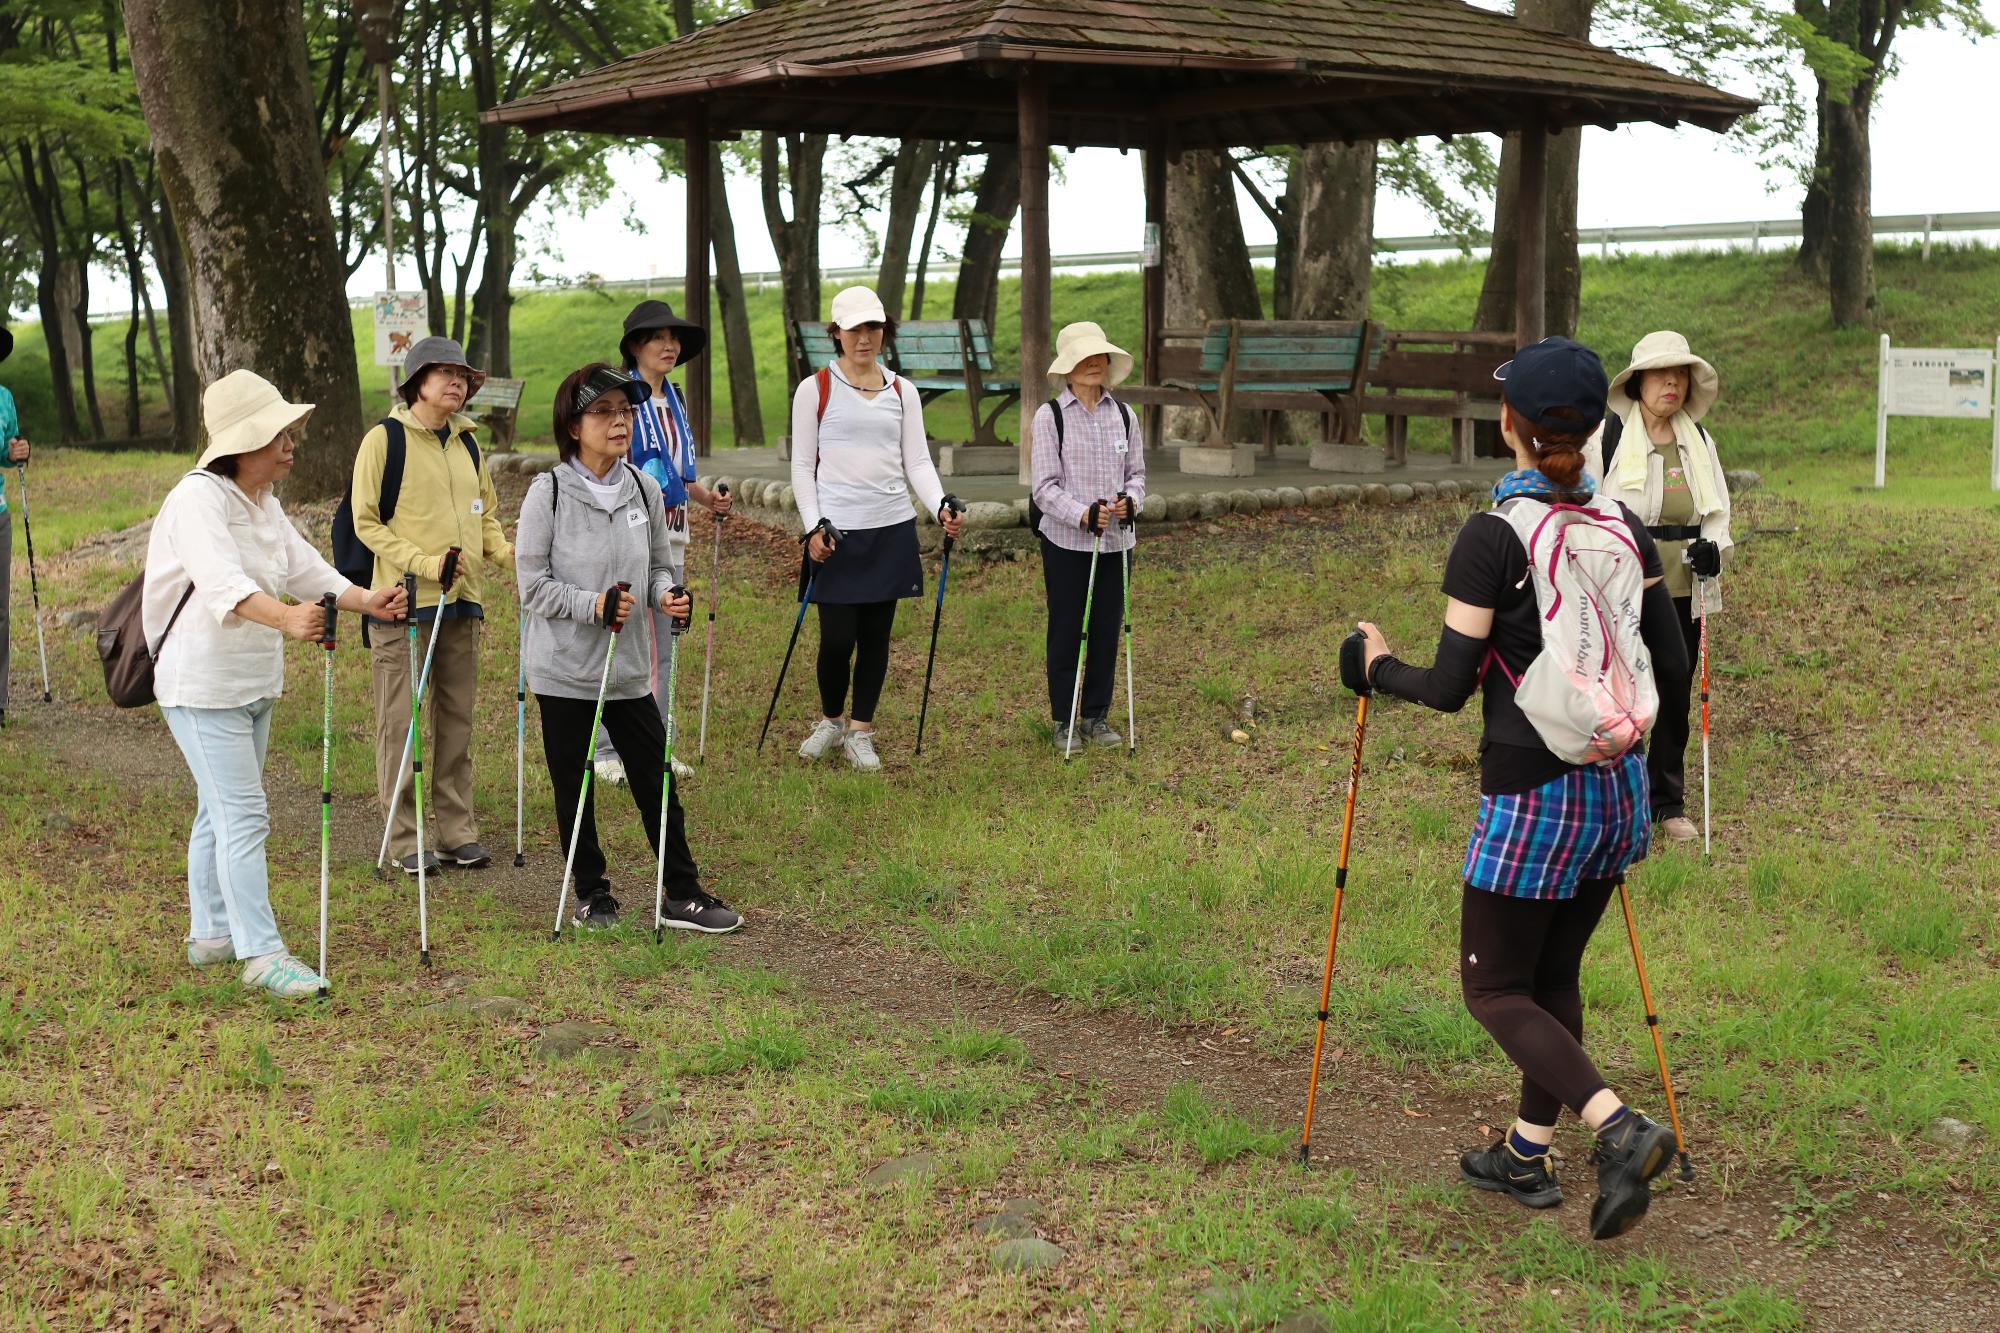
(326, 606)
(1126, 520)
(680, 624)
(956, 506)
(614, 605)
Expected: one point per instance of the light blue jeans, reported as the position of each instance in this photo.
(229, 886)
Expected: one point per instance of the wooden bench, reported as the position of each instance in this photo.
(937, 356)
(1427, 373)
(497, 405)
(1264, 366)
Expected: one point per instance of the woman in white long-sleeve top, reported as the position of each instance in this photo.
(858, 450)
(222, 553)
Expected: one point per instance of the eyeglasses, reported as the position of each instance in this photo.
(613, 412)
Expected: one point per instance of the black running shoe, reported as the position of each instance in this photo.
(1628, 1156)
(469, 857)
(599, 913)
(408, 864)
(1530, 1181)
(703, 912)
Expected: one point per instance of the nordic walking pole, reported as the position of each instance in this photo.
(832, 535)
(520, 732)
(1354, 675)
(714, 597)
(34, 580)
(1653, 1024)
(1083, 644)
(675, 628)
(418, 690)
(326, 606)
(950, 502)
(1131, 706)
(611, 603)
(1704, 740)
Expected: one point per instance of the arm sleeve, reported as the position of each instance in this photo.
(10, 420)
(308, 576)
(541, 593)
(1045, 464)
(201, 539)
(366, 488)
(1444, 685)
(917, 465)
(493, 537)
(805, 451)
(1135, 463)
(1716, 526)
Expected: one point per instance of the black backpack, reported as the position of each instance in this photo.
(352, 559)
(1055, 411)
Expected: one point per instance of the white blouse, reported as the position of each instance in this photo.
(230, 546)
(851, 466)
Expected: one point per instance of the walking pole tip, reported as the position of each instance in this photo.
(519, 860)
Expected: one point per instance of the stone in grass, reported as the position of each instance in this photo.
(1182, 507)
(78, 619)
(1013, 1226)
(914, 1166)
(495, 1008)
(1027, 1254)
(1424, 489)
(1305, 1321)
(1375, 493)
(652, 1118)
(564, 1041)
(1212, 504)
(1949, 1133)
(1245, 502)
(1345, 493)
(1447, 488)
(1401, 493)
(986, 514)
(1268, 498)
(1154, 510)
(1290, 497)
(1319, 497)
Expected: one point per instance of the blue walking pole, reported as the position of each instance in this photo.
(950, 502)
(832, 535)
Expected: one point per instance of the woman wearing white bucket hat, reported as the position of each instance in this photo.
(1088, 483)
(858, 450)
(1663, 466)
(223, 552)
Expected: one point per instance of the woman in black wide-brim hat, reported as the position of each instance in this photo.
(16, 454)
(655, 343)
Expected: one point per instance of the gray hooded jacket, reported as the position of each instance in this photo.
(567, 551)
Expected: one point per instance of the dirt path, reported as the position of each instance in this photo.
(1875, 1265)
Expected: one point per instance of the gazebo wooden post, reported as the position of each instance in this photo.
(1155, 282)
(1531, 259)
(700, 400)
(1033, 98)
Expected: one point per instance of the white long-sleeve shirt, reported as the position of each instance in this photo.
(231, 546)
(858, 465)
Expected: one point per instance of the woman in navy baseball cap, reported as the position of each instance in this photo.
(1562, 813)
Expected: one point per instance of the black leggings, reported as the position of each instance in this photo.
(1666, 750)
(1518, 964)
(641, 740)
(859, 633)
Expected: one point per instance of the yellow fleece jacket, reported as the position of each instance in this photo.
(445, 501)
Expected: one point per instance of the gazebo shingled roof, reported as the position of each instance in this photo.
(1163, 75)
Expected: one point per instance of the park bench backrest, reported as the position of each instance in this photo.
(941, 345)
(1321, 354)
(1444, 362)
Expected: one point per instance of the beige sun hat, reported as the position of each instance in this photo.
(1664, 350)
(1077, 341)
(244, 412)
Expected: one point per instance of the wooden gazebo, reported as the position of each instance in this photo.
(1158, 75)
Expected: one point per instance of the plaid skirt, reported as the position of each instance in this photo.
(1590, 823)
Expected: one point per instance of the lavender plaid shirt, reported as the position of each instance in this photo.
(1099, 458)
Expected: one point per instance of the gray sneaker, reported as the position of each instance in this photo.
(859, 747)
(704, 912)
(1062, 740)
(1098, 732)
(826, 734)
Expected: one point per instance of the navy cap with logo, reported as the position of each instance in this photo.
(1556, 373)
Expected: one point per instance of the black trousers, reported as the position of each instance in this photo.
(641, 741)
(1518, 963)
(856, 633)
(1065, 577)
(1666, 749)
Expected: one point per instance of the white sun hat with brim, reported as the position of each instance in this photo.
(1077, 342)
(243, 412)
(855, 306)
(1664, 350)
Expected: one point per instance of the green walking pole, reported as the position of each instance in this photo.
(1083, 644)
(417, 765)
(677, 627)
(34, 579)
(1131, 707)
(611, 608)
(326, 605)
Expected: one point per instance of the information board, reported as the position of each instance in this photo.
(1955, 382)
(400, 319)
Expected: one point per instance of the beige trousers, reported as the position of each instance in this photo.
(447, 753)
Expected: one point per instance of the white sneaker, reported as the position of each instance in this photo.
(681, 771)
(826, 734)
(203, 953)
(282, 974)
(611, 772)
(859, 747)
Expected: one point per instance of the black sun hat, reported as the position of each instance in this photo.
(649, 315)
(6, 344)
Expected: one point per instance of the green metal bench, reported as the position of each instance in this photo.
(937, 356)
(1266, 366)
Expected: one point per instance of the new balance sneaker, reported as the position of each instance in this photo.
(1098, 732)
(610, 772)
(826, 734)
(282, 974)
(1529, 1181)
(206, 953)
(1628, 1156)
(469, 857)
(598, 913)
(859, 747)
(704, 912)
(408, 864)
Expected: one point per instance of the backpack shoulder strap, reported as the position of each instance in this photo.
(465, 437)
(1056, 413)
(1125, 415)
(825, 379)
(394, 455)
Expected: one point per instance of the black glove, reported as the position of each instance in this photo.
(1354, 663)
(448, 571)
(614, 606)
(1705, 557)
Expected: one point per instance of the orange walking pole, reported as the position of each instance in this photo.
(1653, 1024)
(1355, 677)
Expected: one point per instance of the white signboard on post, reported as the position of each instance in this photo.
(1955, 382)
(400, 319)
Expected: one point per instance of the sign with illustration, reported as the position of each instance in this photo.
(400, 319)
(1953, 382)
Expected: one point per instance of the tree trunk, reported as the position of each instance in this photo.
(1334, 203)
(178, 286)
(1208, 264)
(135, 287)
(912, 173)
(1816, 213)
(941, 188)
(489, 342)
(77, 333)
(746, 414)
(228, 100)
(994, 204)
(40, 195)
(794, 164)
(1851, 227)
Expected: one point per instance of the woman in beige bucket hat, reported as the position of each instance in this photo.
(222, 554)
(1663, 466)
